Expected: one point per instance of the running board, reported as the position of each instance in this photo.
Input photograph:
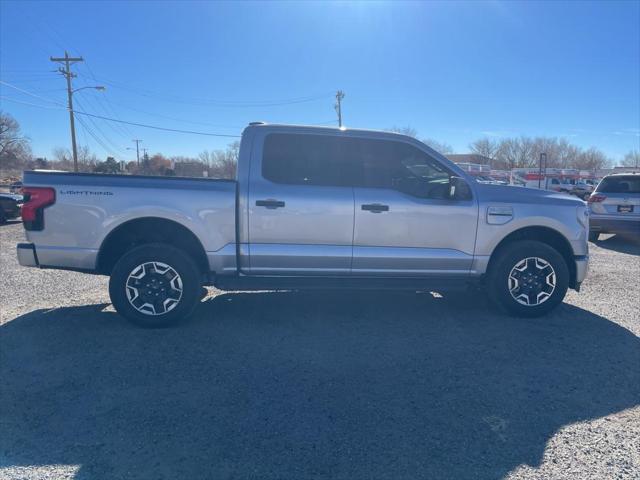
(329, 283)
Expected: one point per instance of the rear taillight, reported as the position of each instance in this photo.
(596, 198)
(35, 201)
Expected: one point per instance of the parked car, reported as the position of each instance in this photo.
(615, 206)
(15, 187)
(9, 206)
(310, 207)
(490, 180)
(582, 190)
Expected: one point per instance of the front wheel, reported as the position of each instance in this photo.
(155, 285)
(528, 278)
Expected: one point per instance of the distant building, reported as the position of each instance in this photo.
(469, 158)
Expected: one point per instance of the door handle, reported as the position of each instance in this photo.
(375, 207)
(270, 204)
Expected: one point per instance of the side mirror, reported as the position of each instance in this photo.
(459, 189)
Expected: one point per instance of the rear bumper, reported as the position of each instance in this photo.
(614, 224)
(27, 255)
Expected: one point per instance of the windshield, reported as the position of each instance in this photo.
(620, 184)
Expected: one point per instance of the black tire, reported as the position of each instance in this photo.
(594, 236)
(3, 217)
(532, 282)
(147, 263)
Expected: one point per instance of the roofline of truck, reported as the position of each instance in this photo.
(331, 128)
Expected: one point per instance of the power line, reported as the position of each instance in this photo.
(110, 111)
(155, 127)
(166, 117)
(31, 94)
(159, 128)
(220, 103)
(91, 105)
(96, 138)
(100, 131)
(13, 100)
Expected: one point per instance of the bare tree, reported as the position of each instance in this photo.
(409, 131)
(207, 158)
(591, 159)
(515, 153)
(225, 162)
(15, 151)
(440, 147)
(87, 160)
(631, 159)
(485, 147)
(12, 141)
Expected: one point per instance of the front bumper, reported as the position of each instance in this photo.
(582, 268)
(27, 255)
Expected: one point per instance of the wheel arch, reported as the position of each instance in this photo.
(545, 235)
(140, 231)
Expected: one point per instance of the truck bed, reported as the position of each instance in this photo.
(88, 207)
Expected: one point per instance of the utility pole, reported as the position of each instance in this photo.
(137, 149)
(338, 106)
(67, 60)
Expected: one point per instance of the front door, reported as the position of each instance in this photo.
(301, 208)
(407, 223)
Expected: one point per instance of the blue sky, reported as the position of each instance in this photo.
(453, 71)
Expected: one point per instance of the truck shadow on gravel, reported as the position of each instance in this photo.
(621, 243)
(307, 385)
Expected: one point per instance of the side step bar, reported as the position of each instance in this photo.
(330, 283)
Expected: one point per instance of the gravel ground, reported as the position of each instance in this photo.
(320, 385)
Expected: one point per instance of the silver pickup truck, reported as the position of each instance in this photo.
(310, 208)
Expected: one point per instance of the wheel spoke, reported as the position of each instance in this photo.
(532, 281)
(154, 288)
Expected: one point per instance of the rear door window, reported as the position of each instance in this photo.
(619, 184)
(307, 159)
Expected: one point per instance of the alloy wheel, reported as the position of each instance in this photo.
(532, 281)
(154, 288)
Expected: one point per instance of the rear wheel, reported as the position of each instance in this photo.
(155, 285)
(528, 278)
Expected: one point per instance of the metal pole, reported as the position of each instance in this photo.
(540, 172)
(338, 106)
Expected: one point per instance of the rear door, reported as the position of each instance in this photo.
(300, 211)
(406, 224)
